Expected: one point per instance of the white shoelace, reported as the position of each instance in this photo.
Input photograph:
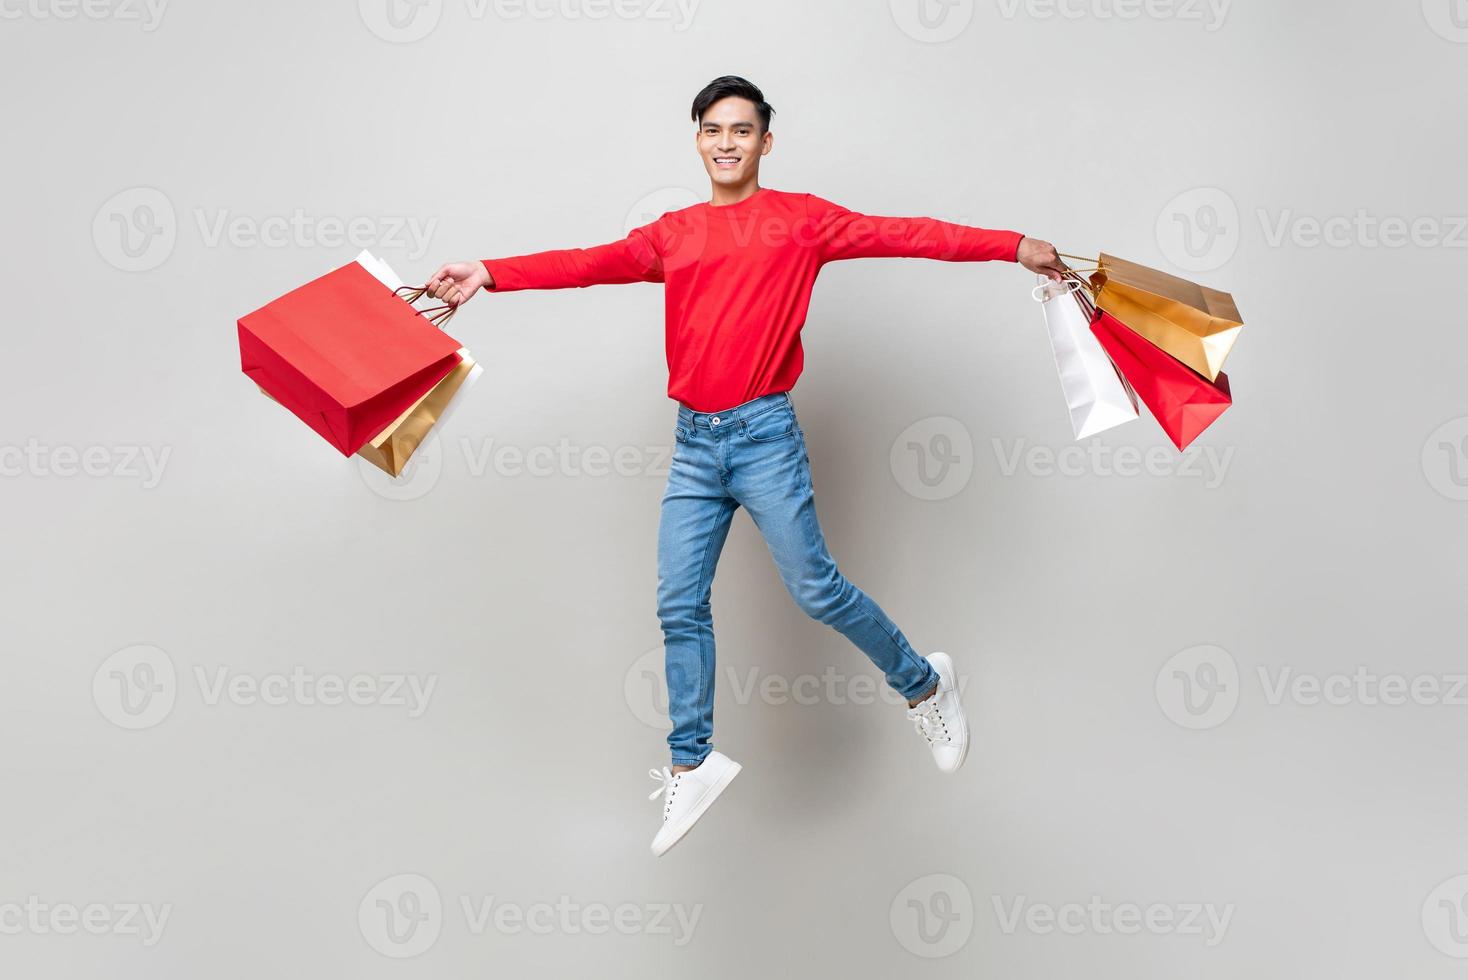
(669, 785)
(928, 721)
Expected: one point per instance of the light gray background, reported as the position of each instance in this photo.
(1075, 603)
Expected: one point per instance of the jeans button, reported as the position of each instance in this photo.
(716, 420)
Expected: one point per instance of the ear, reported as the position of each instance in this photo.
(769, 143)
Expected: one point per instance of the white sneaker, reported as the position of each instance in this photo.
(688, 794)
(940, 718)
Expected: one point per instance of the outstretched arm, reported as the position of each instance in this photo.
(631, 259)
(844, 234)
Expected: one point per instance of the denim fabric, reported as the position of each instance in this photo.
(752, 455)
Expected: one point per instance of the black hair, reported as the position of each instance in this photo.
(727, 85)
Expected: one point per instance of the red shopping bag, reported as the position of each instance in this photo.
(1182, 400)
(345, 354)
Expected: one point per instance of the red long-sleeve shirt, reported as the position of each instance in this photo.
(738, 279)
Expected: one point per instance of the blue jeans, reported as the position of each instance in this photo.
(752, 454)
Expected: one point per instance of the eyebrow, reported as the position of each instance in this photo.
(740, 123)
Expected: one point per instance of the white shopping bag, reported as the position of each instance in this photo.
(1095, 392)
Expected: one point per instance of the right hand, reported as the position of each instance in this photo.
(1040, 256)
(456, 282)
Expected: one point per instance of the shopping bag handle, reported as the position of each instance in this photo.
(1073, 284)
(436, 315)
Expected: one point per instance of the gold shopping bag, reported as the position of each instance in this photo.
(1193, 323)
(391, 448)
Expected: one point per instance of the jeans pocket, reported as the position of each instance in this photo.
(680, 432)
(770, 426)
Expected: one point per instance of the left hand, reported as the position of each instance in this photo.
(1041, 257)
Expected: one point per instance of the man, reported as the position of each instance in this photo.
(738, 273)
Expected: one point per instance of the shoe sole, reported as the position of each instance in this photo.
(963, 752)
(702, 806)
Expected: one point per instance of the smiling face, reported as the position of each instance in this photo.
(730, 142)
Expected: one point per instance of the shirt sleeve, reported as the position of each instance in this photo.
(844, 234)
(632, 259)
